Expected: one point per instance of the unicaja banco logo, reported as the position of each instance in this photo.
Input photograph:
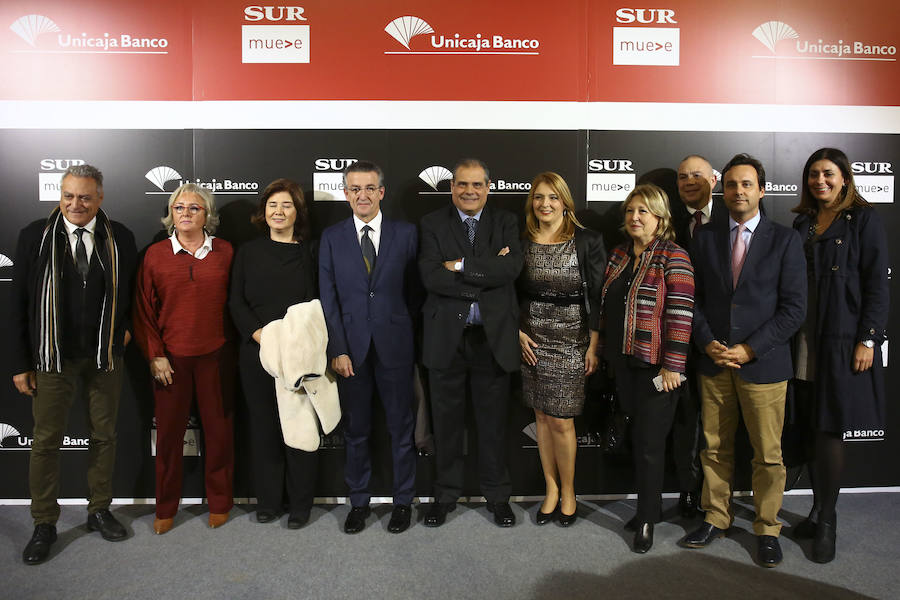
(30, 27)
(7, 431)
(434, 175)
(161, 175)
(772, 32)
(404, 29)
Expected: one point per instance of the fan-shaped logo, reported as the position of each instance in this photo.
(403, 29)
(30, 27)
(5, 261)
(161, 175)
(7, 431)
(772, 32)
(434, 175)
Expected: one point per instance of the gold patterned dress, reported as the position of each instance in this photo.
(554, 317)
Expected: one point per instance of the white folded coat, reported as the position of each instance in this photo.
(292, 350)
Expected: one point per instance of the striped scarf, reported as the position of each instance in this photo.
(48, 298)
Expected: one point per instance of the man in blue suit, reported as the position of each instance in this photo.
(750, 299)
(370, 290)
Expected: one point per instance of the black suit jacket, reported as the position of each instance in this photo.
(765, 309)
(488, 279)
(26, 272)
(682, 220)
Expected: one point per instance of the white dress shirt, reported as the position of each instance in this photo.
(87, 239)
(201, 252)
(374, 235)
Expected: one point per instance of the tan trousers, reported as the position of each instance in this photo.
(762, 406)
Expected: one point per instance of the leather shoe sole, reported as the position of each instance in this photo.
(437, 514)
(401, 517)
(38, 548)
(702, 536)
(161, 526)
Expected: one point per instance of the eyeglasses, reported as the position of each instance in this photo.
(369, 189)
(194, 209)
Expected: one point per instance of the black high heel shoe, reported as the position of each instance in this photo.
(566, 520)
(643, 538)
(823, 548)
(542, 518)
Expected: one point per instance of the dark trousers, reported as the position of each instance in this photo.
(687, 434)
(472, 364)
(209, 379)
(276, 466)
(395, 389)
(50, 409)
(651, 413)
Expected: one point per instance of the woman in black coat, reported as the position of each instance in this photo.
(270, 274)
(838, 362)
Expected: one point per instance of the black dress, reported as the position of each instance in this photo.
(267, 278)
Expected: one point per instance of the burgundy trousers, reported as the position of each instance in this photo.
(208, 379)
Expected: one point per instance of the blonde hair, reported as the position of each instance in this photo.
(658, 204)
(561, 189)
(212, 217)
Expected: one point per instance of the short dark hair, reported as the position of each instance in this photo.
(849, 195)
(364, 166)
(301, 225)
(471, 163)
(746, 159)
(88, 171)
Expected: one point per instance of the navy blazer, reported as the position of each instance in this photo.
(361, 310)
(487, 278)
(764, 311)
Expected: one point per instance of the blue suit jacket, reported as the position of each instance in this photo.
(360, 310)
(764, 311)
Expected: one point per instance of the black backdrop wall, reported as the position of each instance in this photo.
(239, 164)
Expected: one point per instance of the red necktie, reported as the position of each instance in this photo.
(698, 221)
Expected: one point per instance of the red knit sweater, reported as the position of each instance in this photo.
(179, 306)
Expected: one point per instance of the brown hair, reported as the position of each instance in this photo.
(849, 195)
(301, 225)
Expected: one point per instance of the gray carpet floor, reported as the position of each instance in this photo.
(469, 557)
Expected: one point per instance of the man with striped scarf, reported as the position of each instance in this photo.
(70, 301)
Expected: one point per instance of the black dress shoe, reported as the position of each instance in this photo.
(823, 548)
(104, 522)
(643, 538)
(768, 551)
(356, 519)
(298, 519)
(437, 514)
(401, 517)
(542, 518)
(38, 548)
(703, 536)
(503, 514)
(265, 516)
(689, 504)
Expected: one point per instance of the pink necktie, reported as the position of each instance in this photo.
(738, 254)
(698, 221)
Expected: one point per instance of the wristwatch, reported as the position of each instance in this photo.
(868, 343)
(457, 266)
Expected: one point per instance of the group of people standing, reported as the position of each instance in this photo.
(697, 318)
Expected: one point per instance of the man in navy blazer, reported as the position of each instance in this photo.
(370, 290)
(470, 259)
(750, 299)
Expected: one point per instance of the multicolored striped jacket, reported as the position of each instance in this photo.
(660, 303)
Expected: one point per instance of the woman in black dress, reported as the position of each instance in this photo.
(838, 363)
(270, 274)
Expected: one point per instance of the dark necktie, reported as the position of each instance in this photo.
(368, 249)
(81, 261)
(698, 221)
(471, 227)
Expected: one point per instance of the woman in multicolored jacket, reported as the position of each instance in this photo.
(645, 331)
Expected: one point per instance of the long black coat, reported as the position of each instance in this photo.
(850, 265)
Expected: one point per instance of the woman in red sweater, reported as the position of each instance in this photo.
(179, 323)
